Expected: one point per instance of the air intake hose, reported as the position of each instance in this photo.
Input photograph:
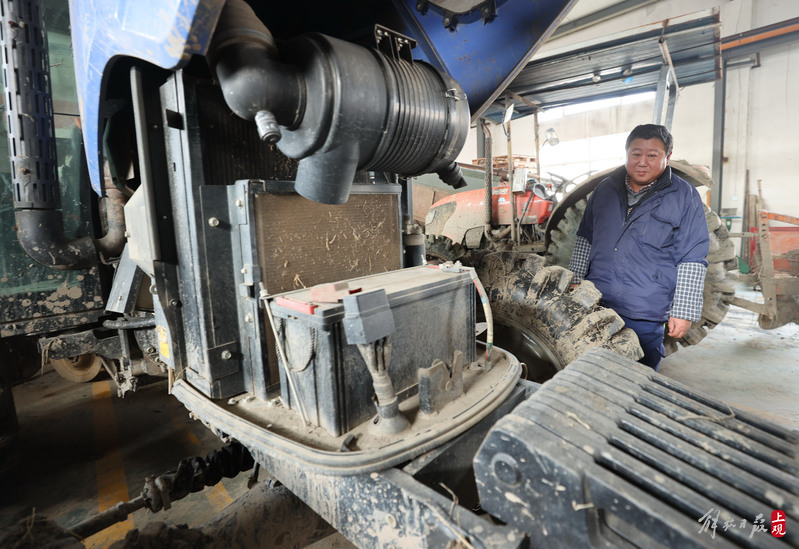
(339, 107)
(31, 141)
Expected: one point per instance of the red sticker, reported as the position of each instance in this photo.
(778, 523)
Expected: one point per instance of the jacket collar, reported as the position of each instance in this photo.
(662, 182)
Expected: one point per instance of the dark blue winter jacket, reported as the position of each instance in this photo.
(634, 259)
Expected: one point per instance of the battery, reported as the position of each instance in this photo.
(434, 316)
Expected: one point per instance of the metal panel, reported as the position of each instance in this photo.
(163, 33)
(484, 58)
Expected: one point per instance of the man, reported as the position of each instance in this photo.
(643, 242)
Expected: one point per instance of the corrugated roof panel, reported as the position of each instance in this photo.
(620, 67)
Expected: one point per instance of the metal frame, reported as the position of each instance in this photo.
(409, 507)
(772, 285)
(667, 80)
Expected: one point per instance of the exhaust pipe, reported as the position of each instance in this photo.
(31, 141)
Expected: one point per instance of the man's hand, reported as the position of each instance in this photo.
(678, 327)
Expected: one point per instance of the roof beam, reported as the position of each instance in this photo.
(599, 16)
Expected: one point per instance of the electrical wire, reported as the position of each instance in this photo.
(282, 355)
(481, 291)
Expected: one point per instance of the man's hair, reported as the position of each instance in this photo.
(651, 131)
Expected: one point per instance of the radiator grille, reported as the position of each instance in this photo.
(303, 243)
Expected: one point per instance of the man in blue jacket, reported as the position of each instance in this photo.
(643, 242)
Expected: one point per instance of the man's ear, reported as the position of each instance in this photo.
(668, 157)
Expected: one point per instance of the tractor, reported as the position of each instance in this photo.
(271, 270)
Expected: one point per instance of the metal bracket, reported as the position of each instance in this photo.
(667, 73)
(440, 384)
(393, 44)
(69, 345)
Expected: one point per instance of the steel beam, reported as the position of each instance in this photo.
(717, 168)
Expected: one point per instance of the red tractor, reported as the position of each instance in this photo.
(457, 222)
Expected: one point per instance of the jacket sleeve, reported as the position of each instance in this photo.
(691, 240)
(582, 243)
(691, 246)
(586, 228)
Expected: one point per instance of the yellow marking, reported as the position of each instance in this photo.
(163, 342)
(111, 484)
(190, 438)
(218, 496)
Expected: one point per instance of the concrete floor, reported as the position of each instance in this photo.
(82, 449)
(739, 363)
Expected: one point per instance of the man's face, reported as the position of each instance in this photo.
(646, 160)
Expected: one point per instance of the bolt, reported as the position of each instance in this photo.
(268, 128)
(150, 350)
(175, 302)
(248, 318)
(226, 355)
(506, 469)
(213, 222)
(239, 203)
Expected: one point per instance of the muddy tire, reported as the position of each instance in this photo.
(720, 282)
(78, 369)
(559, 250)
(538, 318)
(440, 248)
